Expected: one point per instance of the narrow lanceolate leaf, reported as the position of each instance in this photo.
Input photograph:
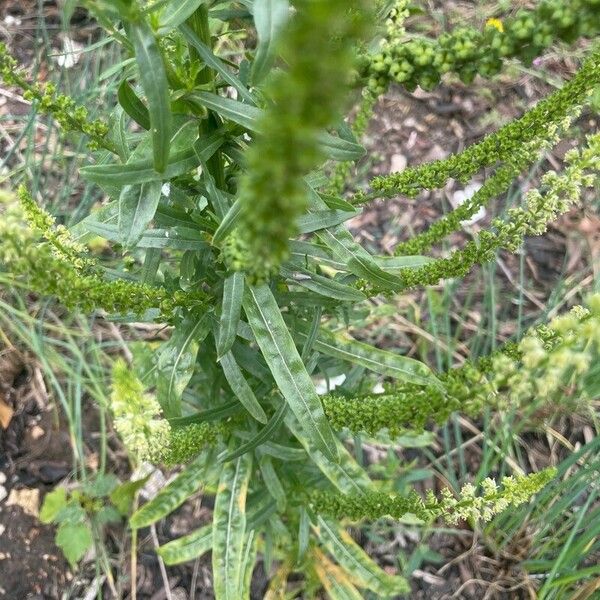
(137, 205)
(132, 105)
(229, 529)
(176, 362)
(175, 13)
(156, 87)
(239, 386)
(344, 347)
(188, 547)
(249, 562)
(215, 63)
(346, 474)
(336, 581)
(364, 571)
(249, 117)
(233, 291)
(270, 17)
(280, 353)
(188, 482)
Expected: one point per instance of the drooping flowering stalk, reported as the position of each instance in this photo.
(497, 147)
(560, 193)
(304, 100)
(58, 268)
(468, 51)
(548, 360)
(61, 107)
(513, 491)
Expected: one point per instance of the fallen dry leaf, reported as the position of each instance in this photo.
(27, 499)
(6, 414)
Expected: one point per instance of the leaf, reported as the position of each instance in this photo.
(322, 219)
(175, 13)
(376, 360)
(153, 78)
(270, 18)
(250, 554)
(188, 547)
(339, 149)
(261, 437)
(74, 539)
(229, 529)
(215, 63)
(141, 171)
(336, 581)
(53, 503)
(329, 288)
(346, 474)
(137, 205)
(243, 114)
(272, 482)
(132, 105)
(239, 386)
(231, 307)
(123, 496)
(364, 571)
(250, 117)
(229, 222)
(280, 353)
(177, 360)
(188, 482)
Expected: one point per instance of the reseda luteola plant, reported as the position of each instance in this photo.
(224, 185)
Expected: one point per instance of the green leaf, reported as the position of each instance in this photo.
(243, 114)
(153, 78)
(188, 482)
(177, 360)
(132, 105)
(123, 496)
(188, 547)
(53, 503)
(74, 539)
(339, 149)
(137, 205)
(215, 63)
(270, 18)
(175, 13)
(231, 307)
(248, 564)
(354, 560)
(323, 286)
(280, 353)
(272, 482)
(239, 386)
(250, 117)
(261, 437)
(141, 171)
(346, 474)
(323, 219)
(229, 529)
(379, 361)
(229, 222)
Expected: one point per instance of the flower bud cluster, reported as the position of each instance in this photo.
(137, 418)
(468, 51)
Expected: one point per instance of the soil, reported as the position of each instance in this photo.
(35, 449)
